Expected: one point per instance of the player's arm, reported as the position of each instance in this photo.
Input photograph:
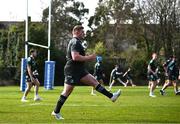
(103, 74)
(119, 73)
(150, 70)
(75, 50)
(125, 73)
(95, 70)
(30, 73)
(157, 69)
(165, 67)
(77, 57)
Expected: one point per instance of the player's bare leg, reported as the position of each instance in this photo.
(166, 84)
(112, 83)
(152, 88)
(36, 90)
(149, 84)
(28, 89)
(176, 90)
(101, 82)
(121, 82)
(158, 81)
(131, 82)
(127, 82)
(93, 91)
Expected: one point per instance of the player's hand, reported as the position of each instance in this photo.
(32, 79)
(166, 74)
(154, 73)
(104, 75)
(179, 77)
(92, 57)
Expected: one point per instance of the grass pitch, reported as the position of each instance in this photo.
(134, 106)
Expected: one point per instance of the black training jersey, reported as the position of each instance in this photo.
(115, 73)
(98, 69)
(74, 45)
(32, 63)
(172, 67)
(167, 62)
(153, 65)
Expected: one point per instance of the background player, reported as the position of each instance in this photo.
(171, 71)
(98, 72)
(128, 77)
(32, 76)
(115, 76)
(158, 78)
(152, 74)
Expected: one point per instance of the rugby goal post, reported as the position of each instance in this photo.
(49, 65)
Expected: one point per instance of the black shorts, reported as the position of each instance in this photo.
(152, 77)
(128, 77)
(74, 77)
(28, 79)
(114, 78)
(172, 77)
(98, 77)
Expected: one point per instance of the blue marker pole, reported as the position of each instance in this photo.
(23, 74)
(49, 75)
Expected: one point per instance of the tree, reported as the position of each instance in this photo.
(164, 15)
(65, 14)
(110, 21)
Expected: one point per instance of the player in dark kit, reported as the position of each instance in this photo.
(152, 74)
(98, 72)
(115, 77)
(75, 71)
(32, 76)
(172, 73)
(128, 77)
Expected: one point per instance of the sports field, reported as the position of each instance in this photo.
(134, 106)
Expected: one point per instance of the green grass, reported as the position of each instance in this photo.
(134, 106)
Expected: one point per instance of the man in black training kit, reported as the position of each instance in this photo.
(32, 76)
(115, 76)
(98, 73)
(172, 73)
(76, 72)
(152, 71)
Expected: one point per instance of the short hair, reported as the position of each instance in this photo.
(32, 51)
(172, 56)
(116, 65)
(77, 28)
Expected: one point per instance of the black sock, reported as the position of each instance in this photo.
(60, 103)
(102, 90)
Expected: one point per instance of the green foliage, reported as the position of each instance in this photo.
(100, 49)
(137, 60)
(11, 41)
(12, 50)
(38, 33)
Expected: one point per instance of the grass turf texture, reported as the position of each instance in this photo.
(134, 106)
